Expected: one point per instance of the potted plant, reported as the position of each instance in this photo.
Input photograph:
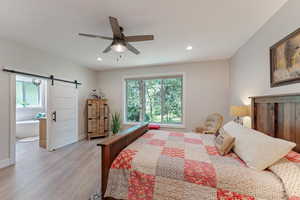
(116, 122)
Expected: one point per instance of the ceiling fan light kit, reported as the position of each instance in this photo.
(118, 47)
(120, 41)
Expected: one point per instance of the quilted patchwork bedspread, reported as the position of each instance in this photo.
(186, 166)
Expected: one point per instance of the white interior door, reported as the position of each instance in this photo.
(62, 115)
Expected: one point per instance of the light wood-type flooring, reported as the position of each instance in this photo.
(69, 173)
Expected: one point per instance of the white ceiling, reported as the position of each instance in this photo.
(215, 28)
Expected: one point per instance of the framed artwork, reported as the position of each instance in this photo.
(285, 60)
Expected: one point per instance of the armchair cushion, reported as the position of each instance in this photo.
(212, 124)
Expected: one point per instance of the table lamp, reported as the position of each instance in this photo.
(238, 112)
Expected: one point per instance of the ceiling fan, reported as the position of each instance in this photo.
(120, 42)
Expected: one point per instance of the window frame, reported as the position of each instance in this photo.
(41, 92)
(155, 76)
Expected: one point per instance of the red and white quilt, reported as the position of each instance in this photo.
(186, 166)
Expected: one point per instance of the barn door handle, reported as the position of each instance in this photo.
(54, 116)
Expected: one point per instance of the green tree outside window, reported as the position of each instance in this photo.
(27, 94)
(157, 100)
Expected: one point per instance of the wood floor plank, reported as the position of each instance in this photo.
(69, 173)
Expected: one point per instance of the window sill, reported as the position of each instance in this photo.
(180, 126)
(29, 107)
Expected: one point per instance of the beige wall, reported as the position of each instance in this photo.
(27, 59)
(250, 67)
(207, 87)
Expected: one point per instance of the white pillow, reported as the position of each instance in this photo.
(256, 149)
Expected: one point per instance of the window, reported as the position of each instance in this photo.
(28, 93)
(156, 100)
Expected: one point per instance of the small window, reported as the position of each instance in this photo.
(155, 100)
(28, 93)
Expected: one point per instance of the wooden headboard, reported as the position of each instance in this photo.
(277, 116)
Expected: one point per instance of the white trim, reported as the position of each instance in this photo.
(48, 115)
(12, 117)
(124, 99)
(154, 75)
(24, 78)
(21, 108)
(183, 74)
(184, 100)
(77, 115)
(5, 163)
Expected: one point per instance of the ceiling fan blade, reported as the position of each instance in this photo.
(132, 49)
(95, 36)
(139, 38)
(107, 49)
(116, 29)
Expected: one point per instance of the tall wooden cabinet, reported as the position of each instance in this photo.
(98, 118)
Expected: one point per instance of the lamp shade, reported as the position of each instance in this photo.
(239, 111)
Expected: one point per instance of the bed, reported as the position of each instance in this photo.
(147, 164)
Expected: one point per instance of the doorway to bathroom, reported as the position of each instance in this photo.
(30, 113)
(44, 115)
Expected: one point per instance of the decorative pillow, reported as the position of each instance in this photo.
(153, 127)
(256, 149)
(224, 142)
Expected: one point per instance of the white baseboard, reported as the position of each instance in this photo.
(81, 137)
(5, 163)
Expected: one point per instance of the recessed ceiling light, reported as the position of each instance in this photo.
(99, 59)
(189, 48)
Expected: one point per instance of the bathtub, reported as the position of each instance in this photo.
(29, 128)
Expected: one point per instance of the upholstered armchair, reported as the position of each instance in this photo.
(211, 125)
